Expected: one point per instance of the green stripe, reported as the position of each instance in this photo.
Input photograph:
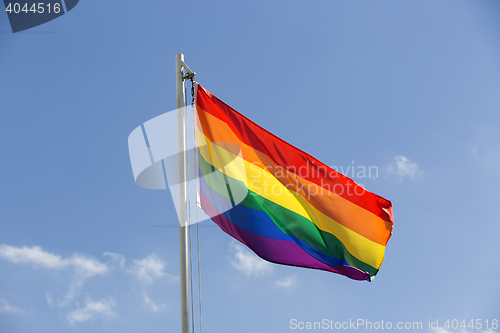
(289, 222)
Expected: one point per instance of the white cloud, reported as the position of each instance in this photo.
(50, 299)
(87, 266)
(6, 307)
(34, 255)
(83, 266)
(149, 269)
(91, 311)
(247, 262)
(287, 283)
(38, 257)
(151, 305)
(80, 268)
(402, 168)
(116, 258)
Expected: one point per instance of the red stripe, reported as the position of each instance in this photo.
(288, 156)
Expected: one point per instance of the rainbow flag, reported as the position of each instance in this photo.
(296, 210)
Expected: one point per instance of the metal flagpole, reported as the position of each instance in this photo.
(180, 66)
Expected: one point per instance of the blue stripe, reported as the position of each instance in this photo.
(258, 222)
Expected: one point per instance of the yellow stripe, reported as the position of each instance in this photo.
(322, 197)
(266, 185)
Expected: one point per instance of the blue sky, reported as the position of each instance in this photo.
(411, 87)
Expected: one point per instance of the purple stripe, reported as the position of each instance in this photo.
(276, 250)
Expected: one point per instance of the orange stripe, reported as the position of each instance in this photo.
(286, 155)
(332, 205)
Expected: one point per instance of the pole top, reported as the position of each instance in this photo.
(181, 66)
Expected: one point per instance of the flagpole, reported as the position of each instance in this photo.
(180, 66)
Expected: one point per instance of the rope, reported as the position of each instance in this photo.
(186, 126)
(193, 82)
(199, 267)
(191, 277)
(197, 204)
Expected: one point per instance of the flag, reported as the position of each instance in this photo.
(296, 210)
